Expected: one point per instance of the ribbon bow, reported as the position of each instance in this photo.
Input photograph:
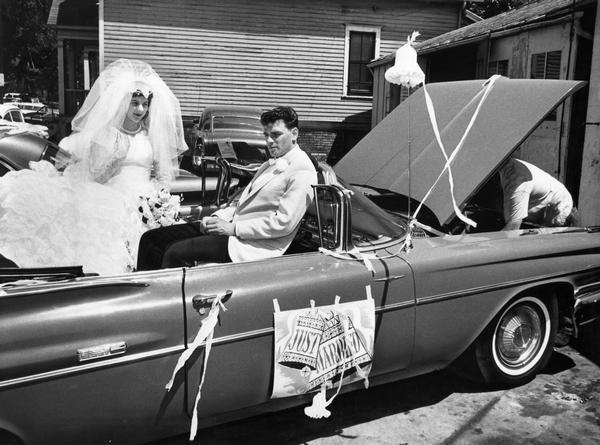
(280, 164)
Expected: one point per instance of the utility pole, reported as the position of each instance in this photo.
(590, 166)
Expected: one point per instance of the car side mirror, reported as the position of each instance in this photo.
(333, 208)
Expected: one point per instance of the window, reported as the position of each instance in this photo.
(397, 95)
(16, 116)
(362, 46)
(498, 67)
(546, 66)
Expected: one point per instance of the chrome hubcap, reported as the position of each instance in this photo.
(519, 336)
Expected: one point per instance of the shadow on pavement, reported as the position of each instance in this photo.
(588, 343)
(291, 426)
(559, 362)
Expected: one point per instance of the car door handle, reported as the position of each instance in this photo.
(201, 301)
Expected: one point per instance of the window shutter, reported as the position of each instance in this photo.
(502, 67)
(538, 66)
(546, 66)
(553, 65)
(498, 67)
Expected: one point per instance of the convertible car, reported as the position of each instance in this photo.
(85, 359)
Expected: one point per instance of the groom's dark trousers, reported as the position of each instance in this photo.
(181, 244)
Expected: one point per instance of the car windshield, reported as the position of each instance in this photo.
(250, 153)
(371, 224)
(236, 123)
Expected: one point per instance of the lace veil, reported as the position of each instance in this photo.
(96, 139)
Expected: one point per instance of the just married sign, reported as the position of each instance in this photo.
(317, 346)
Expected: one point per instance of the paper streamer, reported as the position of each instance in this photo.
(205, 332)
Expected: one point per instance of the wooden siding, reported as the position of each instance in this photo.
(261, 52)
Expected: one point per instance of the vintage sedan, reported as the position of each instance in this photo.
(13, 122)
(233, 133)
(85, 359)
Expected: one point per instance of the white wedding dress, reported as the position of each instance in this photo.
(53, 219)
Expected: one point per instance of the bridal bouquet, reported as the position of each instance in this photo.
(160, 208)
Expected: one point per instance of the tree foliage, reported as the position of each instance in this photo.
(30, 60)
(490, 8)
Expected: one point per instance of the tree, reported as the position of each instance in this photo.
(30, 60)
(490, 8)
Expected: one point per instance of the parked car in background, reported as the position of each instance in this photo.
(11, 97)
(231, 132)
(85, 359)
(29, 107)
(43, 115)
(12, 121)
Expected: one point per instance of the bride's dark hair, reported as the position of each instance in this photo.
(139, 93)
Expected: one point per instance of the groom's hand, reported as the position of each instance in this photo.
(216, 226)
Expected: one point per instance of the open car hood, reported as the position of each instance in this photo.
(512, 110)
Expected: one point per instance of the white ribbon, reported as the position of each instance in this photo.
(431, 111)
(354, 255)
(318, 409)
(205, 332)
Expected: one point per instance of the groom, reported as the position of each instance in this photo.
(262, 224)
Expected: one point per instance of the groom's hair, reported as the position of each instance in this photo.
(287, 114)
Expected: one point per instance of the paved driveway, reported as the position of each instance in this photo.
(561, 406)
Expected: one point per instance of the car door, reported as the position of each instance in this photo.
(87, 361)
(239, 371)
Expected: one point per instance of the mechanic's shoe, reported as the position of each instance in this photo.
(565, 332)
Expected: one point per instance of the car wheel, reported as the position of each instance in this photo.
(519, 341)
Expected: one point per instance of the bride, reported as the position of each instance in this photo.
(129, 126)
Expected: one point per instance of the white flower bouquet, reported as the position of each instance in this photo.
(160, 208)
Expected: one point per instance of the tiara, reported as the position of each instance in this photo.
(139, 92)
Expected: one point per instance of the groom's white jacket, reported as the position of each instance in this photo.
(270, 208)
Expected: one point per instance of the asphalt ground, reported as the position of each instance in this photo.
(560, 406)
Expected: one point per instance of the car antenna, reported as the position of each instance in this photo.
(407, 73)
(409, 159)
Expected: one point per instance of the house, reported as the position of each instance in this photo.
(311, 54)
(550, 39)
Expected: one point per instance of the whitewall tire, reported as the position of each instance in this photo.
(519, 341)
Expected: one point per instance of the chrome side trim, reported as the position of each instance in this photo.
(268, 331)
(49, 287)
(101, 351)
(491, 287)
(586, 309)
(91, 366)
(592, 287)
(242, 336)
(394, 307)
(120, 360)
(390, 278)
